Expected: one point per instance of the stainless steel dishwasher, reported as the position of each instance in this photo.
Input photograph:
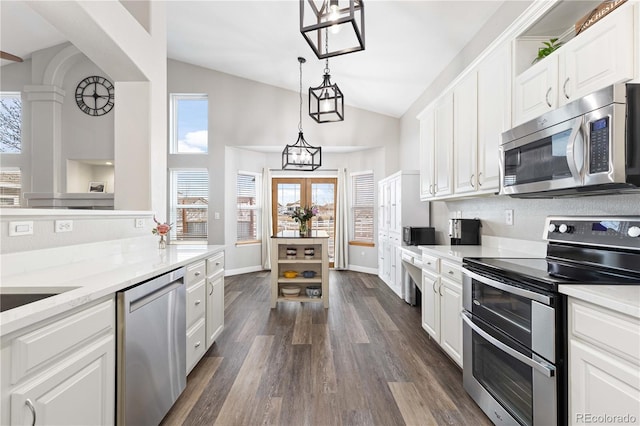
(151, 360)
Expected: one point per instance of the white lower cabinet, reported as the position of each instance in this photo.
(205, 306)
(604, 365)
(62, 371)
(442, 304)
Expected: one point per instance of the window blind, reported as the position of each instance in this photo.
(247, 207)
(363, 207)
(189, 204)
(10, 188)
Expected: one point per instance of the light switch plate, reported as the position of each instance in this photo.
(139, 223)
(20, 228)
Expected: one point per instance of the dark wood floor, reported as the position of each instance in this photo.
(363, 361)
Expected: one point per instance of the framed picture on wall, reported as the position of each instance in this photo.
(97, 186)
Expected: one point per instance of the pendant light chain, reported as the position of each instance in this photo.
(326, 49)
(301, 60)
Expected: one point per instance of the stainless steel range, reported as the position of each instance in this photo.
(514, 335)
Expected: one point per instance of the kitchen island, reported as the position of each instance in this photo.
(62, 347)
(297, 264)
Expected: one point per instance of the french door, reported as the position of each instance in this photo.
(290, 193)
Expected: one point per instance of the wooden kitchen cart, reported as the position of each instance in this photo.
(281, 262)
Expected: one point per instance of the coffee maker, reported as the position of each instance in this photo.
(464, 231)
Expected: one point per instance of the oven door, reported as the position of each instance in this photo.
(510, 383)
(549, 159)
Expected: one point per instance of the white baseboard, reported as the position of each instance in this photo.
(357, 268)
(246, 270)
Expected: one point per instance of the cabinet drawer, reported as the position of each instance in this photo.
(195, 303)
(196, 346)
(614, 332)
(215, 264)
(430, 263)
(451, 271)
(195, 273)
(33, 350)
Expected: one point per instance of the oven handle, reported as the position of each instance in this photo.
(546, 369)
(509, 288)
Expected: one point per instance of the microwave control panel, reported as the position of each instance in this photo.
(599, 136)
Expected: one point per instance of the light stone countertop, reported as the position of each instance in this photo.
(86, 272)
(620, 298)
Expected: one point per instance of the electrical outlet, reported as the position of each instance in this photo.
(216, 215)
(139, 223)
(64, 225)
(508, 216)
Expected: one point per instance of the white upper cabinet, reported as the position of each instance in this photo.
(494, 115)
(436, 149)
(465, 134)
(536, 90)
(443, 145)
(598, 57)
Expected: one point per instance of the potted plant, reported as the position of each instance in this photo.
(549, 47)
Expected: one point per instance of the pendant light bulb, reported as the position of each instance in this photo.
(334, 15)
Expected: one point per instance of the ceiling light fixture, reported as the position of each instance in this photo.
(301, 156)
(347, 25)
(326, 102)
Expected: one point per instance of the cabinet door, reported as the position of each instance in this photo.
(451, 323)
(494, 115)
(443, 117)
(601, 384)
(431, 305)
(215, 307)
(427, 160)
(536, 90)
(396, 205)
(80, 390)
(598, 57)
(465, 134)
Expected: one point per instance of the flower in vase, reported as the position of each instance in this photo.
(161, 228)
(304, 214)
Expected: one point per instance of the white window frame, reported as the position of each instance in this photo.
(173, 203)
(353, 177)
(257, 207)
(173, 114)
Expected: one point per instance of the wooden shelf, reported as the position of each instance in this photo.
(319, 264)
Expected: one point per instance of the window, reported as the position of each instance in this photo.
(10, 187)
(247, 187)
(363, 207)
(10, 122)
(189, 123)
(189, 202)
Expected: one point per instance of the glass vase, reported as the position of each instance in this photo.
(162, 244)
(304, 228)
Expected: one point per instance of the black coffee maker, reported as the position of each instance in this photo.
(464, 231)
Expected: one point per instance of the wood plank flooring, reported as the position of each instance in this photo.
(363, 361)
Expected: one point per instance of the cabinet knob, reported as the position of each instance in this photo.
(31, 408)
(197, 273)
(197, 345)
(197, 302)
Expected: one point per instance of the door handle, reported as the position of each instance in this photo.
(546, 97)
(473, 185)
(564, 88)
(29, 405)
(546, 369)
(211, 292)
(479, 183)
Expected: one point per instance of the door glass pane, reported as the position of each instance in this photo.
(288, 199)
(323, 196)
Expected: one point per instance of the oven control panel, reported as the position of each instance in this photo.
(619, 232)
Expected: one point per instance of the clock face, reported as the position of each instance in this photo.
(94, 95)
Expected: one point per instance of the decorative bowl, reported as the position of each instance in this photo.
(309, 274)
(290, 274)
(290, 291)
(314, 291)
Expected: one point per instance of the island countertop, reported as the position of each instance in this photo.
(84, 273)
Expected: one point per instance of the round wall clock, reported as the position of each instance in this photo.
(94, 95)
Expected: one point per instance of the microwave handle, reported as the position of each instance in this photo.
(546, 369)
(576, 146)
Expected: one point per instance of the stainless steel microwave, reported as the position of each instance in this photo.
(589, 146)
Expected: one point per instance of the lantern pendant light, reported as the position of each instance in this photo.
(301, 155)
(326, 102)
(346, 24)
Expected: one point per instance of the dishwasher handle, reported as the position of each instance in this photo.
(134, 305)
